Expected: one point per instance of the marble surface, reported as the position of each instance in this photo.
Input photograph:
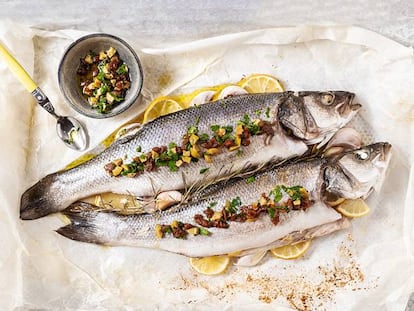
(160, 22)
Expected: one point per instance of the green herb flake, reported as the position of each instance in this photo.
(215, 127)
(271, 211)
(211, 205)
(172, 166)
(234, 205)
(203, 137)
(294, 192)
(253, 128)
(204, 231)
(138, 149)
(122, 69)
(192, 130)
(203, 170)
(276, 193)
(197, 120)
(159, 162)
(258, 112)
(267, 113)
(250, 179)
(228, 129)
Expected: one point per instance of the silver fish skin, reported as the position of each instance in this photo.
(251, 257)
(109, 228)
(58, 190)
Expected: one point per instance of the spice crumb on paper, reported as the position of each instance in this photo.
(310, 289)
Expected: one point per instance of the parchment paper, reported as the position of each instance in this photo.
(369, 266)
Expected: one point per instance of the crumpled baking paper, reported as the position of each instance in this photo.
(369, 266)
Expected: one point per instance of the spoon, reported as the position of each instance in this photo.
(69, 130)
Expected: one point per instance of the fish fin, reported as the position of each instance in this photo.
(85, 224)
(80, 233)
(36, 201)
(251, 259)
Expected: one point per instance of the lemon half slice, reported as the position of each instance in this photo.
(210, 265)
(353, 208)
(161, 106)
(261, 83)
(291, 251)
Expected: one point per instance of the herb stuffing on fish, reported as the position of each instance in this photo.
(198, 146)
(281, 206)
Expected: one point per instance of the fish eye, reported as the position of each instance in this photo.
(328, 99)
(362, 155)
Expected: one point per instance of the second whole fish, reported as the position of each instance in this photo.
(240, 215)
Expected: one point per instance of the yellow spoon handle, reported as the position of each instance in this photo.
(18, 70)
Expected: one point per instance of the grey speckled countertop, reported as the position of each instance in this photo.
(160, 22)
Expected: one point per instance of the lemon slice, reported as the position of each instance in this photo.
(333, 200)
(161, 106)
(261, 83)
(353, 208)
(114, 201)
(291, 251)
(210, 265)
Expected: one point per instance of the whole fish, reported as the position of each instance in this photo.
(242, 214)
(223, 137)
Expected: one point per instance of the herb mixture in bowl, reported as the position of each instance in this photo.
(104, 79)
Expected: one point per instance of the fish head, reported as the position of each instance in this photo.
(315, 116)
(354, 174)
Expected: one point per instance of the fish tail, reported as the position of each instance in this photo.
(86, 224)
(37, 201)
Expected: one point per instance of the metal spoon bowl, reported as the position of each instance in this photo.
(72, 133)
(69, 130)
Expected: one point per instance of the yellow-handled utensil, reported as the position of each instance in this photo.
(69, 130)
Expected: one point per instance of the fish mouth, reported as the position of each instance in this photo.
(386, 151)
(349, 107)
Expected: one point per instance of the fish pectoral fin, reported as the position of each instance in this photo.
(251, 259)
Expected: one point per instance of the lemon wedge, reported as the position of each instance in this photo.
(291, 251)
(261, 83)
(210, 265)
(161, 106)
(353, 208)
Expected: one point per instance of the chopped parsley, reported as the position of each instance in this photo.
(250, 179)
(203, 170)
(267, 113)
